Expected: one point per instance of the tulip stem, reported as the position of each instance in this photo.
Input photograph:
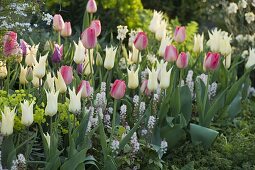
(113, 120)
(100, 74)
(8, 77)
(138, 59)
(59, 38)
(181, 72)
(91, 69)
(205, 99)
(50, 125)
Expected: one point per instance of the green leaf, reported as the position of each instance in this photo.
(7, 148)
(186, 102)
(200, 92)
(235, 106)
(172, 135)
(189, 166)
(169, 121)
(110, 164)
(175, 105)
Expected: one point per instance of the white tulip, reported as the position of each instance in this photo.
(52, 103)
(153, 79)
(227, 61)
(3, 70)
(79, 54)
(161, 31)
(39, 68)
(251, 58)
(7, 121)
(22, 75)
(27, 117)
(49, 83)
(164, 42)
(47, 137)
(156, 19)
(75, 101)
(35, 81)
(30, 59)
(133, 80)
(198, 43)
(110, 57)
(164, 77)
(60, 83)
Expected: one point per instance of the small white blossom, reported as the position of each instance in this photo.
(243, 4)
(123, 113)
(232, 8)
(132, 36)
(136, 100)
(122, 31)
(151, 122)
(249, 17)
(103, 87)
(115, 145)
(142, 107)
(212, 90)
(110, 110)
(144, 132)
(135, 144)
(163, 146)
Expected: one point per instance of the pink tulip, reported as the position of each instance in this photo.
(91, 6)
(179, 34)
(67, 74)
(211, 61)
(79, 69)
(57, 53)
(182, 60)
(88, 38)
(10, 44)
(141, 41)
(96, 24)
(24, 47)
(171, 53)
(118, 89)
(67, 30)
(58, 22)
(85, 87)
(144, 87)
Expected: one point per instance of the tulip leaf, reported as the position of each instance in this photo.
(186, 102)
(7, 148)
(175, 105)
(200, 93)
(110, 164)
(235, 106)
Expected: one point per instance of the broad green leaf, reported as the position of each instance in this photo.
(8, 147)
(110, 164)
(235, 106)
(186, 102)
(175, 105)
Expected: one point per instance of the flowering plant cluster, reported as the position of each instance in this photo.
(90, 105)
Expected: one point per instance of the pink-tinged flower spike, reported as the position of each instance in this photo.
(79, 68)
(96, 24)
(91, 6)
(182, 60)
(67, 74)
(89, 38)
(10, 44)
(144, 87)
(141, 41)
(118, 89)
(86, 89)
(57, 53)
(171, 53)
(58, 22)
(24, 47)
(179, 34)
(211, 61)
(67, 30)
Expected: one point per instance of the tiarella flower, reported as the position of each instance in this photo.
(118, 89)
(58, 22)
(211, 61)
(153, 79)
(79, 68)
(141, 41)
(251, 58)
(60, 83)
(7, 121)
(180, 34)
(232, 8)
(133, 80)
(49, 83)
(91, 6)
(27, 117)
(24, 47)
(57, 53)
(79, 54)
(30, 59)
(164, 42)
(96, 24)
(110, 57)
(161, 31)
(75, 101)
(52, 103)
(85, 89)
(10, 44)
(182, 60)
(47, 138)
(171, 53)
(67, 74)
(164, 77)
(67, 30)
(155, 22)
(198, 43)
(89, 38)
(122, 31)
(3, 70)
(39, 68)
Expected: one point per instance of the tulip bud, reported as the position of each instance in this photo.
(75, 101)
(182, 60)
(35, 81)
(39, 68)
(141, 41)
(47, 46)
(52, 103)
(91, 6)
(29, 74)
(22, 75)
(67, 30)
(162, 48)
(96, 24)
(164, 77)
(3, 70)
(49, 83)
(118, 89)
(27, 117)
(110, 57)
(99, 60)
(47, 138)
(24, 47)
(133, 56)
(198, 43)
(251, 58)
(179, 34)
(153, 80)
(79, 69)
(171, 53)
(30, 59)
(7, 121)
(211, 61)
(60, 83)
(57, 53)
(67, 74)
(10, 44)
(144, 87)
(79, 54)
(227, 61)
(85, 89)
(58, 22)
(133, 80)
(88, 38)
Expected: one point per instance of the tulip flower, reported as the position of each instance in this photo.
(49, 83)
(60, 83)
(85, 89)
(110, 57)
(67, 74)
(57, 53)
(58, 22)
(24, 47)
(39, 68)
(30, 59)
(75, 101)
(227, 61)
(22, 75)
(133, 56)
(155, 22)
(35, 81)
(10, 44)
(161, 31)
(182, 60)
(133, 80)
(144, 87)
(7, 121)
(162, 48)
(164, 77)
(27, 117)
(141, 41)
(29, 74)
(118, 89)
(171, 53)
(52, 103)
(99, 60)
(79, 68)
(89, 38)
(251, 58)
(225, 47)
(79, 54)
(179, 34)
(198, 43)
(153, 79)
(67, 30)
(96, 24)
(211, 61)
(91, 6)
(47, 138)
(3, 70)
